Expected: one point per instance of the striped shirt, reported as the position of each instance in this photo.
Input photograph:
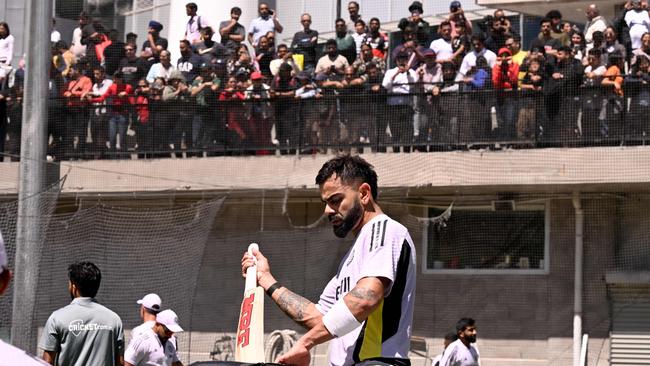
(385, 249)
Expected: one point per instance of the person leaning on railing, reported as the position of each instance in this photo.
(636, 87)
(505, 77)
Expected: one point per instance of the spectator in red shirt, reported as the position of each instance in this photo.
(230, 106)
(143, 127)
(121, 98)
(75, 92)
(505, 75)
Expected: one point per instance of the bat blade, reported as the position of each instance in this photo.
(249, 345)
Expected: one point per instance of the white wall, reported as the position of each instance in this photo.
(213, 12)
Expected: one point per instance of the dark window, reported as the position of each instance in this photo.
(487, 239)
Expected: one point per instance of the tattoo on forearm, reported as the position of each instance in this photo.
(363, 293)
(293, 305)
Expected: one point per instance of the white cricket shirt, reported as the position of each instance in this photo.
(135, 332)
(147, 350)
(457, 354)
(383, 248)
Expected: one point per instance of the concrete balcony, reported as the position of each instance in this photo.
(557, 170)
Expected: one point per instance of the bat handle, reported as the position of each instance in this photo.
(251, 272)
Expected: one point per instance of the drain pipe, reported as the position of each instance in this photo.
(577, 289)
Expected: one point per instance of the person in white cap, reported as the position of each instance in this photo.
(157, 345)
(149, 308)
(11, 355)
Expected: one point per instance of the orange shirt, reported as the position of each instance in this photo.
(613, 73)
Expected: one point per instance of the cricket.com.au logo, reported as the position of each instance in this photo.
(77, 326)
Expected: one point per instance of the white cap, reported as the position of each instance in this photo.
(169, 319)
(151, 302)
(3, 254)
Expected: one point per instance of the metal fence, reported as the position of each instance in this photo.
(234, 122)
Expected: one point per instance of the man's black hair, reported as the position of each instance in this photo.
(554, 14)
(478, 37)
(545, 20)
(330, 42)
(464, 323)
(235, 10)
(351, 169)
(192, 6)
(86, 277)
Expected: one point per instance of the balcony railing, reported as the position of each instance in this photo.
(341, 120)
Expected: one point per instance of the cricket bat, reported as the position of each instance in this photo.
(250, 330)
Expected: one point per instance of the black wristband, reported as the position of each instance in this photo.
(272, 288)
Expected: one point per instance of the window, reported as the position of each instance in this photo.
(510, 239)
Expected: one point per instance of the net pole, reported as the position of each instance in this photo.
(29, 233)
(577, 295)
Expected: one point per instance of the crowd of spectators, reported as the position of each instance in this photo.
(248, 92)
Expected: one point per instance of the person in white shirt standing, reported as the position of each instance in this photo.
(638, 21)
(149, 308)
(595, 22)
(478, 49)
(462, 352)
(400, 84)
(194, 24)
(366, 309)
(156, 346)
(6, 45)
(11, 355)
(77, 48)
(443, 45)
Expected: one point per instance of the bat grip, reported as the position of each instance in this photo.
(251, 272)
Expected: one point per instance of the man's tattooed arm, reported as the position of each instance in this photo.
(299, 309)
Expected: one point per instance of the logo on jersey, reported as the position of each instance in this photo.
(343, 288)
(77, 326)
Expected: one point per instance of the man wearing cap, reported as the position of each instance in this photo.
(423, 28)
(430, 74)
(11, 355)
(155, 43)
(457, 15)
(83, 332)
(156, 345)
(150, 306)
(505, 76)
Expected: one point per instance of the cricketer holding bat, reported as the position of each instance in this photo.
(366, 309)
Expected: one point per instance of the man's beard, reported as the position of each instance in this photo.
(349, 221)
(471, 339)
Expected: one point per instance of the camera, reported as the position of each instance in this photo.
(270, 12)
